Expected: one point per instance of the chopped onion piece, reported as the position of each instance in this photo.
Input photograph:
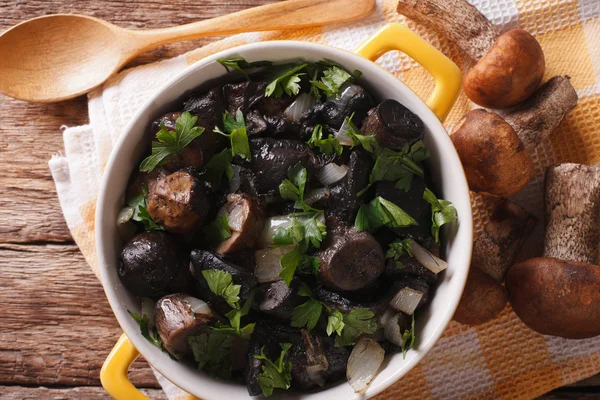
(299, 106)
(406, 300)
(267, 263)
(332, 173)
(347, 92)
(148, 309)
(312, 196)
(427, 259)
(236, 218)
(392, 329)
(198, 306)
(363, 364)
(342, 135)
(125, 215)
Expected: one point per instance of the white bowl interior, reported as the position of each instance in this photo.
(444, 163)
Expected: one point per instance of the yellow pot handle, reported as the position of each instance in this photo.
(113, 375)
(447, 76)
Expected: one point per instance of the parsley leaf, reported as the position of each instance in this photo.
(327, 146)
(144, 323)
(212, 352)
(408, 337)
(356, 323)
(293, 187)
(308, 230)
(171, 142)
(333, 78)
(241, 65)
(289, 262)
(139, 204)
(275, 375)
(217, 167)
(221, 284)
(369, 143)
(236, 315)
(288, 82)
(307, 314)
(381, 212)
(335, 323)
(442, 212)
(217, 231)
(236, 128)
(397, 249)
(314, 231)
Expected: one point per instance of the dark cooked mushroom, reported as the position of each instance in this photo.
(208, 107)
(177, 316)
(344, 202)
(351, 260)
(246, 222)
(280, 299)
(141, 179)
(413, 204)
(179, 202)
(393, 125)
(408, 267)
(150, 263)
(271, 159)
(243, 96)
(205, 260)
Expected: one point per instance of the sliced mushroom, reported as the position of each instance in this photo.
(343, 200)
(497, 247)
(246, 221)
(178, 316)
(271, 159)
(280, 299)
(351, 260)
(393, 125)
(179, 202)
(151, 263)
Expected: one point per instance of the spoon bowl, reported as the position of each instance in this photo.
(58, 57)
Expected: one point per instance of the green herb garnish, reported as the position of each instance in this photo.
(144, 323)
(217, 167)
(217, 231)
(335, 323)
(221, 284)
(275, 375)
(307, 314)
(236, 128)
(355, 323)
(381, 212)
(288, 82)
(171, 142)
(332, 80)
(293, 188)
(327, 146)
(139, 204)
(408, 337)
(442, 212)
(369, 143)
(241, 65)
(397, 249)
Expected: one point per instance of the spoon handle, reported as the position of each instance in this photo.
(290, 14)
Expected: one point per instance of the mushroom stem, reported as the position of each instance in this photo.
(572, 210)
(538, 116)
(456, 19)
(496, 248)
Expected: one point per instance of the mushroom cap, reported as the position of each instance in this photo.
(508, 73)
(493, 156)
(556, 297)
(482, 300)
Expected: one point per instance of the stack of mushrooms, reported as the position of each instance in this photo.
(558, 293)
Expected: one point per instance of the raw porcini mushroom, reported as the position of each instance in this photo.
(482, 300)
(557, 294)
(178, 316)
(246, 220)
(509, 67)
(179, 202)
(496, 248)
(495, 150)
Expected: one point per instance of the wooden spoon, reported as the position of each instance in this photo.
(57, 57)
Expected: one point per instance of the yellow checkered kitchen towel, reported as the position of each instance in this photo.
(501, 359)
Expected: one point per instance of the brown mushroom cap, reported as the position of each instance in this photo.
(493, 156)
(482, 300)
(246, 235)
(508, 73)
(555, 297)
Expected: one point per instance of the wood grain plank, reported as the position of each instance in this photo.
(76, 393)
(56, 327)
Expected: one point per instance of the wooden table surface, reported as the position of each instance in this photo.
(56, 327)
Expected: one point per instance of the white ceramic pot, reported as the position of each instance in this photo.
(445, 166)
